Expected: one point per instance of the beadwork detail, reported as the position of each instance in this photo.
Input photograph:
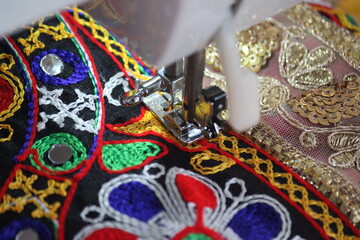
(271, 93)
(347, 145)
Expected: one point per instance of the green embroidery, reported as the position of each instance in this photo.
(119, 156)
(197, 236)
(44, 145)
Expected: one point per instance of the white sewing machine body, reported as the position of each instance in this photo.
(174, 34)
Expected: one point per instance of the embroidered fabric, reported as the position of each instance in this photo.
(129, 178)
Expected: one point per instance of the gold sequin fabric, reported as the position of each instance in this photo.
(255, 46)
(343, 41)
(329, 105)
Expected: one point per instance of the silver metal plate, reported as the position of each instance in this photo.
(27, 234)
(51, 64)
(60, 154)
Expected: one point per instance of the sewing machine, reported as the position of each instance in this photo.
(174, 34)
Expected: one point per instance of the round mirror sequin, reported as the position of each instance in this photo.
(51, 64)
(27, 234)
(60, 154)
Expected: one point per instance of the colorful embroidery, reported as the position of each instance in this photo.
(32, 42)
(149, 124)
(42, 146)
(33, 196)
(284, 181)
(119, 156)
(190, 205)
(133, 66)
(12, 93)
(130, 180)
(332, 184)
(79, 69)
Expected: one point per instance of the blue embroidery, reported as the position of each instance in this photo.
(256, 221)
(136, 200)
(10, 231)
(79, 72)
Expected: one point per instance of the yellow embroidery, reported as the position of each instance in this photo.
(323, 177)
(32, 42)
(150, 123)
(6, 63)
(222, 162)
(113, 46)
(333, 226)
(9, 129)
(34, 197)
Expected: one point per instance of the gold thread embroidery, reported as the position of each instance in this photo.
(271, 93)
(265, 168)
(222, 162)
(113, 46)
(347, 145)
(32, 42)
(339, 39)
(34, 196)
(304, 69)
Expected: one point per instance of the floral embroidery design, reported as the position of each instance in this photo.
(304, 69)
(189, 205)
